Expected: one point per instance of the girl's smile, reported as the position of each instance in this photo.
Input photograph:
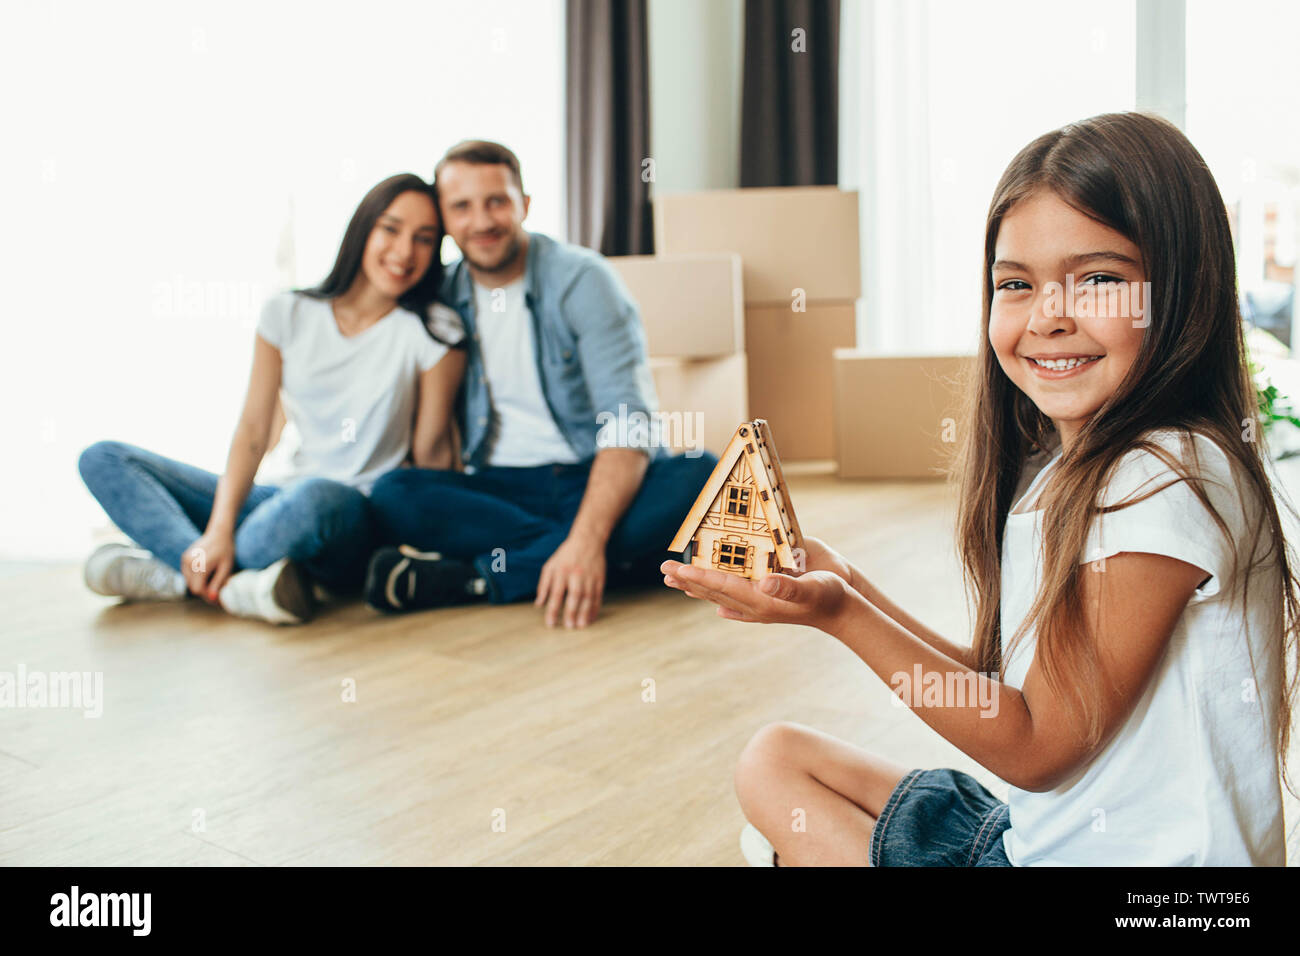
(1052, 366)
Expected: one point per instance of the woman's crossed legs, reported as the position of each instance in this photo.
(163, 505)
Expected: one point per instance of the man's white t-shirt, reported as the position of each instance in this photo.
(350, 401)
(1191, 778)
(523, 432)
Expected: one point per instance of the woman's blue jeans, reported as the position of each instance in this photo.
(164, 505)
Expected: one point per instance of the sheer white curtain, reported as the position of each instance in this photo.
(167, 166)
(1243, 102)
(887, 142)
(937, 96)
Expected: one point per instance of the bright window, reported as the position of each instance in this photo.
(167, 166)
(941, 95)
(1243, 104)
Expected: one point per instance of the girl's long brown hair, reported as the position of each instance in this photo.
(1139, 175)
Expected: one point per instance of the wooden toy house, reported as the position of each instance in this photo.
(743, 521)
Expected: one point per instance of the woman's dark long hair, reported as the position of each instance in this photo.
(421, 296)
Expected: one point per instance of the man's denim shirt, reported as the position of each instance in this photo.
(589, 344)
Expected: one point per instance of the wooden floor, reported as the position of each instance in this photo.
(225, 742)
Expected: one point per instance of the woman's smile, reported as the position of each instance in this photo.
(399, 272)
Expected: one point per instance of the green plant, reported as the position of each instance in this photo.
(1273, 405)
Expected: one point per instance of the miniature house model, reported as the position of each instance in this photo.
(743, 521)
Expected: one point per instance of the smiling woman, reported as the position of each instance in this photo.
(393, 236)
(365, 384)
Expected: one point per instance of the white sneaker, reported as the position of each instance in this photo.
(121, 570)
(279, 594)
(756, 849)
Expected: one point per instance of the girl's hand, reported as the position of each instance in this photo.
(815, 598)
(820, 556)
(208, 563)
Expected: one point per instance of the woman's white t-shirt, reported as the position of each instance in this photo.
(1191, 777)
(349, 401)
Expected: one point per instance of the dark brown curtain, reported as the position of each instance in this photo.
(607, 126)
(789, 119)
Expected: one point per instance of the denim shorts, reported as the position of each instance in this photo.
(940, 818)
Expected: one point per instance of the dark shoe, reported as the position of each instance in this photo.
(403, 579)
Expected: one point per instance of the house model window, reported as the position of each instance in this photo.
(733, 556)
(737, 502)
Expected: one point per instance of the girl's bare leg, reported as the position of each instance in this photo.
(815, 797)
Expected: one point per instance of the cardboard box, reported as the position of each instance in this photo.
(803, 237)
(701, 401)
(790, 384)
(691, 306)
(897, 416)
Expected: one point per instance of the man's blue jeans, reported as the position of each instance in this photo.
(164, 505)
(509, 521)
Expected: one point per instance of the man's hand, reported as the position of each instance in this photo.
(207, 564)
(815, 598)
(574, 577)
(573, 580)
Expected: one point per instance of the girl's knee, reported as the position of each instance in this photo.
(772, 747)
(777, 741)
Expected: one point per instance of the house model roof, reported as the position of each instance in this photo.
(754, 441)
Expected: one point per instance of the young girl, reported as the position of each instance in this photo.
(363, 368)
(1135, 598)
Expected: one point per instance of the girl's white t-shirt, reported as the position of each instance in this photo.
(349, 401)
(1191, 777)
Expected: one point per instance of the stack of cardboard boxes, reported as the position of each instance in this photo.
(749, 312)
(799, 253)
(692, 309)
